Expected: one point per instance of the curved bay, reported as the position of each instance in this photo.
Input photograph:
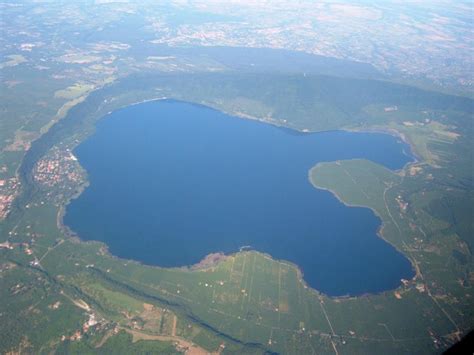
(171, 182)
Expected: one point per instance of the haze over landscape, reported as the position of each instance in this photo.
(236, 177)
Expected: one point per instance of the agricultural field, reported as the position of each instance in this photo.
(248, 299)
(66, 66)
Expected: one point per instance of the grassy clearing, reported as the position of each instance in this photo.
(13, 60)
(73, 91)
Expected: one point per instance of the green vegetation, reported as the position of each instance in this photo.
(59, 77)
(122, 343)
(73, 91)
(34, 309)
(358, 183)
(249, 301)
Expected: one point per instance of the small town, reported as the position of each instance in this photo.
(236, 177)
(59, 169)
(8, 190)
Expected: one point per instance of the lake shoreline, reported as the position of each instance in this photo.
(319, 137)
(350, 205)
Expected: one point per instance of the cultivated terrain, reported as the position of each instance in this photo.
(64, 66)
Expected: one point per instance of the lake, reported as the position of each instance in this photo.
(171, 182)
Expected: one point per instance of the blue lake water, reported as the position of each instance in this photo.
(171, 182)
